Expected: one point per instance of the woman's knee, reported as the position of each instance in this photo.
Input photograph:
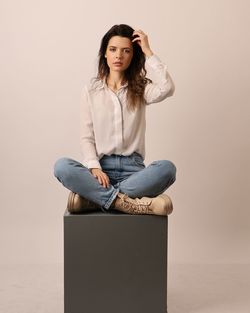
(168, 169)
(60, 166)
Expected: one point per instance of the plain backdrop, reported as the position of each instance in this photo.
(49, 51)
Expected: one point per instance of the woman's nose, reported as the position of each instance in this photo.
(119, 55)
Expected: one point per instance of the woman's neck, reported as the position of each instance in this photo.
(115, 80)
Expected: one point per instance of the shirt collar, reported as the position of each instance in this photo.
(103, 84)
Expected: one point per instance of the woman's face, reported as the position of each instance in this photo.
(119, 49)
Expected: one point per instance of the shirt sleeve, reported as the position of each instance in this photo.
(87, 138)
(162, 85)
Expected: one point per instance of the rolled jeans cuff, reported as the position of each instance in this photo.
(110, 200)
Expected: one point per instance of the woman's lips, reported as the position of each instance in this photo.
(118, 63)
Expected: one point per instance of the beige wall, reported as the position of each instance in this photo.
(49, 49)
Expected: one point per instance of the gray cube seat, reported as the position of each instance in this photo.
(115, 263)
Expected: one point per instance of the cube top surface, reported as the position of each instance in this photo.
(111, 214)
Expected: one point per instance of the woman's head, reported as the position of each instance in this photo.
(119, 49)
(117, 45)
(120, 35)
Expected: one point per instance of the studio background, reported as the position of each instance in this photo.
(49, 51)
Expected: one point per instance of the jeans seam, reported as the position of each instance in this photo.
(111, 199)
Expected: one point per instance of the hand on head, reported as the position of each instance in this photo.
(142, 39)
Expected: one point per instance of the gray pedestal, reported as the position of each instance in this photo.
(115, 263)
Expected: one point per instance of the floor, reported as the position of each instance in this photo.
(191, 288)
(209, 288)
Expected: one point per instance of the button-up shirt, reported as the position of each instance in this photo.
(108, 127)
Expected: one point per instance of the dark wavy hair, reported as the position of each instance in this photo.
(135, 74)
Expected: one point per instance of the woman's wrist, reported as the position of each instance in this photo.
(149, 53)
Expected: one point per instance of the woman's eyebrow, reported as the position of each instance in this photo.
(121, 48)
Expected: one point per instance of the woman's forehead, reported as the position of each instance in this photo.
(120, 42)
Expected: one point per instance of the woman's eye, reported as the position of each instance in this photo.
(113, 49)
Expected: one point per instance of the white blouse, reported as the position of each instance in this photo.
(108, 127)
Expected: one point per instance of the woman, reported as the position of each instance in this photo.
(112, 175)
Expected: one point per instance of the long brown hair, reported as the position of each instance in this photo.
(135, 74)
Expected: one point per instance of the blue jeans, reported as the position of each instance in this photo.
(127, 174)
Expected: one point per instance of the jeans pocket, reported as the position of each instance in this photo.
(138, 160)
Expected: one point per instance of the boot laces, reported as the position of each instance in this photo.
(135, 205)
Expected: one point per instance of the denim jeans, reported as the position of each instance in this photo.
(127, 174)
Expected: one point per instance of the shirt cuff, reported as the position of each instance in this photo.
(93, 164)
(154, 61)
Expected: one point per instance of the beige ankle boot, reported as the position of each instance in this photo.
(160, 205)
(78, 204)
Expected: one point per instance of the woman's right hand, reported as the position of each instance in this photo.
(101, 176)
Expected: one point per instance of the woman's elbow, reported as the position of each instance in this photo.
(171, 90)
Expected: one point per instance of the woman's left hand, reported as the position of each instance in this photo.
(142, 41)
